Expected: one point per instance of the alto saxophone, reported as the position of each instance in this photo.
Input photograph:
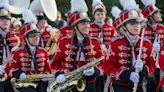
(74, 79)
(30, 80)
(3, 77)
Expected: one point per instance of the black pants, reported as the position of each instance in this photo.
(29, 89)
(100, 83)
(6, 86)
(42, 87)
(120, 88)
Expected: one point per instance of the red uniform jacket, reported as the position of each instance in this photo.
(161, 64)
(22, 60)
(150, 33)
(66, 31)
(65, 59)
(106, 30)
(11, 41)
(119, 66)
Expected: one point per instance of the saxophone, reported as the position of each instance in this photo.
(74, 79)
(3, 77)
(30, 80)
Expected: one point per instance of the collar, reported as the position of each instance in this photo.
(99, 24)
(3, 33)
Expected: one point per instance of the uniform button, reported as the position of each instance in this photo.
(28, 69)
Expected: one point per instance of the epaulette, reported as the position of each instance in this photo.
(147, 40)
(42, 48)
(94, 38)
(66, 37)
(20, 48)
(117, 37)
(159, 24)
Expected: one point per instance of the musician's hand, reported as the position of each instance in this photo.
(134, 77)
(139, 65)
(2, 69)
(60, 78)
(156, 47)
(89, 71)
(22, 76)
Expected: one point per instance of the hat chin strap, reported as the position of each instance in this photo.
(128, 34)
(77, 29)
(2, 28)
(28, 43)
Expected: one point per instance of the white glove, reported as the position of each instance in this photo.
(2, 69)
(156, 47)
(103, 47)
(139, 65)
(22, 76)
(60, 78)
(134, 77)
(89, 71)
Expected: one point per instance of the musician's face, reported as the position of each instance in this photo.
(84, 27)
(133, 27)
(42, 23)
(34, 39)
(157, 16)
(99, 16)
(4, 24)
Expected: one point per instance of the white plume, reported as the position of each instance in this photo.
(95, 2)
(4, 4)
(129, 5)
(148, 2)
(29, 17)
(122, 2)
(115, 12)
(78, 5)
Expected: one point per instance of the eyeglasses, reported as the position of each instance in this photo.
(34, 35)
(134, 21)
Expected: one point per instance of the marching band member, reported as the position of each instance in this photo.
(7, 42)
(153, 30)
(124, 60)
(99, 28)
(102, 31)
(160, 87)
(78, 50)
(45, 30)
(15, 27)
(29, 59)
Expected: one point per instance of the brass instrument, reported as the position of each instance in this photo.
(74, 79)
(3, 77)
(30, 80)
(51, 45)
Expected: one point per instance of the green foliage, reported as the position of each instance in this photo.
(64, 5)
